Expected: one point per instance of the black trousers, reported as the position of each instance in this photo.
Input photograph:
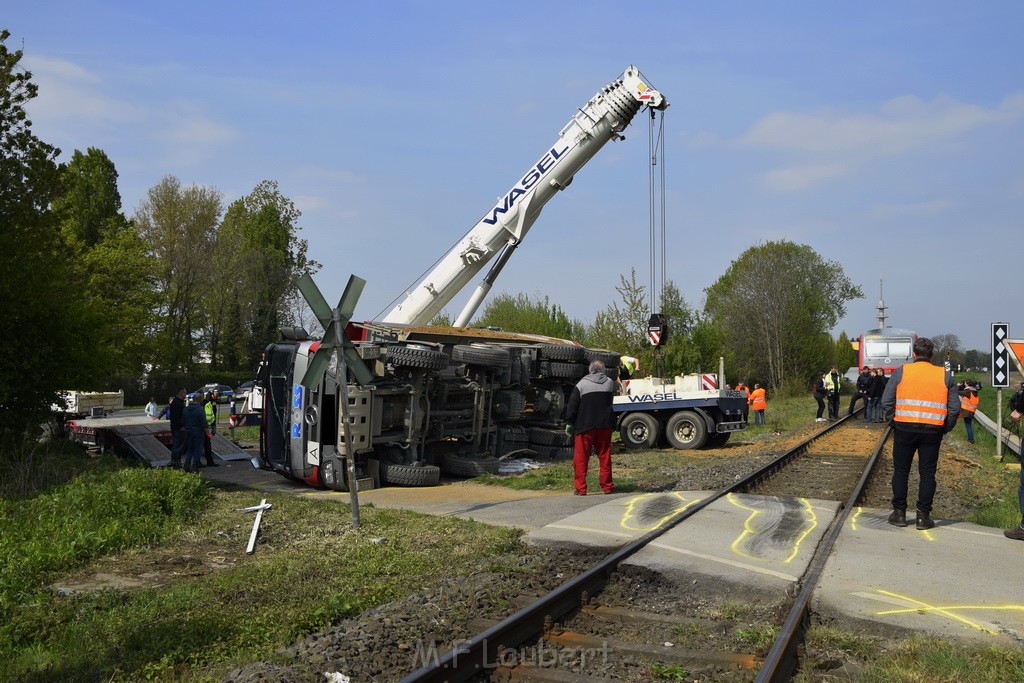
(821, 404)
(833, 405)
(904, 445)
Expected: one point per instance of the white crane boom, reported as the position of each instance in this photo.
(507, 222)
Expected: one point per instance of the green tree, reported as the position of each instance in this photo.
(843, 355)
(258, 245)
(522, 313)
(42, 299)
(89, 205)
(622, 326)
(113, 259)
(774, 304)
(180, 226)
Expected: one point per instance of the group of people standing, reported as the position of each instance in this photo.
(193, 425)
(870, 386)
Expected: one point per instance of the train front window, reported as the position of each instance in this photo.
(900, 349)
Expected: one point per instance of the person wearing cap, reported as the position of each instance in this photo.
(922, 402)
(196, 430)
(969, 406)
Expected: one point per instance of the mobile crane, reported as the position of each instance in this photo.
(453, 398)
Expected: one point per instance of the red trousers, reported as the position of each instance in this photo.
(600, 442)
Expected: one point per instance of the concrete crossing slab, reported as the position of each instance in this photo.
(958, 580)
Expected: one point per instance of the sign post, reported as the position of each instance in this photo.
(1000, 377)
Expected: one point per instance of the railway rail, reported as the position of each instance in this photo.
(840, 458)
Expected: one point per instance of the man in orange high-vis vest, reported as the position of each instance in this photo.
(922, 403)
(968, 407)
(757, 401)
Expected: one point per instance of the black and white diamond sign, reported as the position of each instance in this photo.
(1000, 355)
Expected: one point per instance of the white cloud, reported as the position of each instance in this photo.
(71, 94)
(797, 178)
(845, 141)
(899, 124)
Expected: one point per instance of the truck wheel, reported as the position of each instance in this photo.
(565, 352)
(686, 430)
(639, 430)
(410, 475)
(475, 354)
(550, 368)
(609, 358)
(719, 439)
(416, 357)
(549, 437)
(469, 467)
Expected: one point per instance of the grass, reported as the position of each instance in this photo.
(930, 659)
(211, 604)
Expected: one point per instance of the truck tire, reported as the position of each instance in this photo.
(554, 453)
(686, 430)
(469, 467)
(573, 371)
(609, 358)
(416, 357)
(719, 439)
(564, 352)
(549, 437)
(487, 356)
(639, 430)
(410, 475)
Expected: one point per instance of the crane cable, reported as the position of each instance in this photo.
(656, 209)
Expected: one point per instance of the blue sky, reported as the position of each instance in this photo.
(886, 136)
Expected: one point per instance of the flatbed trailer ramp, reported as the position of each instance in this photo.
(141, 438)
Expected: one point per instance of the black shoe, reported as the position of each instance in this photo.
(924, 521)
(1016, 534)
(898, 517)
(577, 493)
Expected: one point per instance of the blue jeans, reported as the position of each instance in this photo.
(194, 454)
(759, 417)
(904, 444)
(969, 423)
(874, 409)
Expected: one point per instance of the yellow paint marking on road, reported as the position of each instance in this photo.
(748, 529)
(813, 518)
(923, 607)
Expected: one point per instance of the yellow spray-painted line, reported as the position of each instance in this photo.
(920, 607)
(813, 519)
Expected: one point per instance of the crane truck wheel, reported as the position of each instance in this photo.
(566, 352)
(488, 356)
(469, 467)
(609, 358)
(573, 371)
(686, 430)
(414, 356)
(639, 430)
(410, 475)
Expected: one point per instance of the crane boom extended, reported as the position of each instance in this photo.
(507, 222)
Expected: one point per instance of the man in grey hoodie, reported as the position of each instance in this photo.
(590, 415)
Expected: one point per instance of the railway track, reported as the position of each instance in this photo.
(591, 628)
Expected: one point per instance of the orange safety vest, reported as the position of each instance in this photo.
(743, 388)
(921, 394)
(757, 399)
(969, 404)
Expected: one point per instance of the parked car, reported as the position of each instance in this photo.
(243, 390)
(224, 392)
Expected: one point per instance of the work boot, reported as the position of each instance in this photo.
(1016, 533)
(924, 520)
(898, 517)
